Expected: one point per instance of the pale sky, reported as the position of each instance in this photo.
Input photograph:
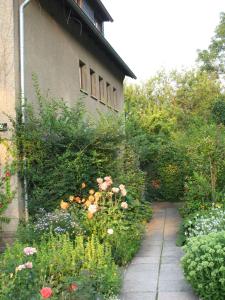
(151, 34)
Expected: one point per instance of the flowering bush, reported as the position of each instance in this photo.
(204, 265)
(57, 269)
(106, 212)
(57, 222)
(203, 224)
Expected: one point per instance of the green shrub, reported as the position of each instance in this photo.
(197, 195)
(64, 148)
(57, 264)
(204, 265)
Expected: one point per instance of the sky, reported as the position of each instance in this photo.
(153, 34)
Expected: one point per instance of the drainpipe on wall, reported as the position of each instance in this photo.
(22, 90)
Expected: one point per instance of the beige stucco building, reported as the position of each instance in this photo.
(63, 43)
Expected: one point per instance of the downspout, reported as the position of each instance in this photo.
(22, 90)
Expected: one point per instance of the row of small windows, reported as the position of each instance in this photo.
(99, 89)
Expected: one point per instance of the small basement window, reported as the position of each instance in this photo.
(83, 76)
(93, 84)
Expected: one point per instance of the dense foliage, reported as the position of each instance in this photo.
(83, 224)
(64, 148)
(172, 123)
(204, 265)
(60, 264)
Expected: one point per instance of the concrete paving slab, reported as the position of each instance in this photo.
(143, 267)
(148, 251)
(179, 285)
(138, 296)
(142, 276)
(146, 260)
(177, 296)
(140, 284)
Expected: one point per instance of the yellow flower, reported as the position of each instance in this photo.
(83, 200)
(97, 196)
(64, 205)
(71, 198)
(91, 192)
(91, 198)
(83, 185)
(87, 203)
(90, 215)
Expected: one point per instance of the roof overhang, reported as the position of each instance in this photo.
(101, 39)
(104, 11)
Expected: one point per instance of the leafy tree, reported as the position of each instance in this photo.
(213, 59)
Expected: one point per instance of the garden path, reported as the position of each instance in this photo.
(155, 272)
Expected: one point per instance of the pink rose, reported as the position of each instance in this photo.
(122, 187)
(29, 265)
(29, 250)
(115, 190)
(46, 292)
(123, 192)
(99, 180)
(103, 186)
(124, 205)
(108, 180)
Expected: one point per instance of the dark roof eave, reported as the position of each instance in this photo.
(127, 71)
(104, 10)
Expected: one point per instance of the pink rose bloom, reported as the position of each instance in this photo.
(123, 192)
(93, 208)
(29, 265)
(115, 190)
(124, 205)
(46, 292)
(103, 186)
(99, 180)
(122, 187)
(29, 250)
(108, 180)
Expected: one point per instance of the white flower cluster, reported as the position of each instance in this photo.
(214, 221)
(59, 222)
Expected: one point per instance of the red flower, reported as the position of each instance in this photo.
(46, 292)
(7, 174)
(73, 287)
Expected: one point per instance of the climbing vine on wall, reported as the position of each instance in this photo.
(7, 170)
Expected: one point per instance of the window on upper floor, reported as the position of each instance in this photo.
(101, 89)
(88, 10)
(115, 99)
(109, 94)
(93, 84)
(83, 76)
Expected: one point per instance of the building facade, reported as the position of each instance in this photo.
(62, 42)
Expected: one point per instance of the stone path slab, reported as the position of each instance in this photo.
(155, 273)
